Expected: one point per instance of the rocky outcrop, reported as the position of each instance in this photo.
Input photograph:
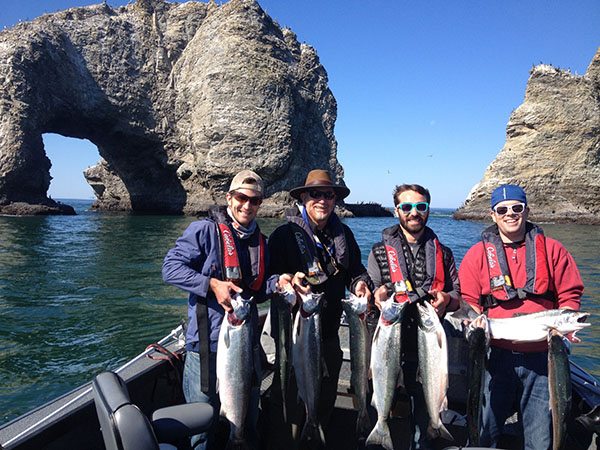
(369, 209)
(552, 149)
(177, 97)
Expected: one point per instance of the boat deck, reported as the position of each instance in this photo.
(70, 421)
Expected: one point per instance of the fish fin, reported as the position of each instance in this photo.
(380, 436)
(440, 338)
(324, 370)
(363, 424)
(226, 338)
(444, 406)
(376, 332)
(400, 379)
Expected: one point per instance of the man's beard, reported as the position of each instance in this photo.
(413, 227)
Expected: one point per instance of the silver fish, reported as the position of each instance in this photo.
(306, 360)
(559, 386)
(385, 369)
(284, 302)
(360, 358)
(433, 368)
(535, 327)
(235, 367)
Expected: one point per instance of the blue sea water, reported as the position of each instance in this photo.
(80, 294)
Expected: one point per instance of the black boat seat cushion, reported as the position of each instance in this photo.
(125, 427)
(172, 422)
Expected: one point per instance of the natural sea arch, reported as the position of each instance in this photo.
(69, 157)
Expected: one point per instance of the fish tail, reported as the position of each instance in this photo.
(381, 435)
(363, 424)
(312, 434)
(237, 444)
(439, 432)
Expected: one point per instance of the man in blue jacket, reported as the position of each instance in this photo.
(211, 277)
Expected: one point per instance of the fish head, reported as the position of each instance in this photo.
(357, 305)
(241, 307)
(288, 296)
(310, 302)
(392, 311)
(569, 322)
(428, 318)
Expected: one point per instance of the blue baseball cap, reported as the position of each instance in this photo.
(508, 192)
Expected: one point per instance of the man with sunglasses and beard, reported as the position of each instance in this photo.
(323, 254)
(215, 259)
(515, 270)
(406, 264)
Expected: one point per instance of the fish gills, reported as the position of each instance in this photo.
(433, 368)
(234, 377)
(559, 385)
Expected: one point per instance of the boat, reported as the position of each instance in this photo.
(153, 379)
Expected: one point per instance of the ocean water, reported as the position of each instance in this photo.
(84, 293)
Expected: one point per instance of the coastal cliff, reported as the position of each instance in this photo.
(177, 97)
(552, 149)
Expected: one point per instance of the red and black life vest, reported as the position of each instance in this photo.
(229, 253)
(397, 270)
(231, 271)
(536, 261)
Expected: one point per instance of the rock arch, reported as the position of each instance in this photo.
(177, 98)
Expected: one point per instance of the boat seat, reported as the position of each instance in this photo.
(125, 427)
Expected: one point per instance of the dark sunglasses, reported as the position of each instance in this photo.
(317, 195)
(254, 201)
(407, 207)
(517, 208)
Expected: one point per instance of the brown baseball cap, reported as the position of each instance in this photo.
(246, 179)
(319, 178)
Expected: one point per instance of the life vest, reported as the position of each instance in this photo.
(231, 271)
(229, 254)
(390, 257)
(307, 246)
(536, 261)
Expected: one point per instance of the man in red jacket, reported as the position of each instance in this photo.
(515, 269)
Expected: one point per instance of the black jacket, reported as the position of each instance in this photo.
(285, 257)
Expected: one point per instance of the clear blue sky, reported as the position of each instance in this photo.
(424, 88)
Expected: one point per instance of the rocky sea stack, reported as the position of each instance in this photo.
(177, 97)
(552, 149)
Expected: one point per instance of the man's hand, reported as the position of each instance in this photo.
(222, 291)
(362, 290)
(300, 284)
(440, 301)
(381, 295)
(284, 282)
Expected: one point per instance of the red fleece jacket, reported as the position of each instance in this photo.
(565, 283)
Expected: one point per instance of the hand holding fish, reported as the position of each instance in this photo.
(362, 290)
(222, 291)
(381, 295)
(300, 284)
(284, 281)
(440, 301)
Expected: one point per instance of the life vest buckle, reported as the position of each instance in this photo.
(232, 273)
(498, 282)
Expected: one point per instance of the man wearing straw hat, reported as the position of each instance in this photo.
(322, 251)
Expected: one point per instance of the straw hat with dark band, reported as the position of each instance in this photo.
(320, 179)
